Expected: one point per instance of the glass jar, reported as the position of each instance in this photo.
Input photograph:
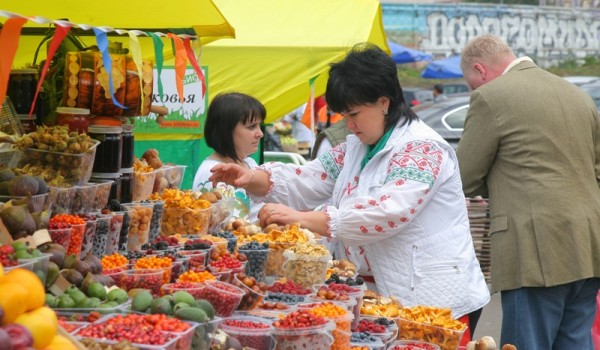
(126, 181)
(78, 119)
(128, 148)
(108, 153)
(22, 84)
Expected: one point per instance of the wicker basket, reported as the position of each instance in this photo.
(479, 219)
(10, 122)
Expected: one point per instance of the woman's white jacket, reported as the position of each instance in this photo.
(402, 219)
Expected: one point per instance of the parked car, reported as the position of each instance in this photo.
(455, 88)
(416, 96)
(582, 79)
(593, 89)
(446, 117)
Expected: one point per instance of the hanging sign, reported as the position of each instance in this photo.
(185, 116)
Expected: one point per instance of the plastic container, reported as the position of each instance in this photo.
(446, 339)
(34, 203)
(221, 213)
(197, 258)
(185, 221)
(174, 175)
(107, 310)
(139, 225)
(10, 158)
(77, 119)
(373, 345)
(104, 189)
(314, 338)
(151, 279)
(101, 235)
(88, 237)
(195, 290)
(124, 231)
(180, 266)
(204, 333)
(391, 330)
(304, 269)
(355, 303)
(23, 264)
(251, 297)
(412, 344)
(108, 154)
(143, 183)
(83, 201)
(222, 274)
(275, 260)
(256, 266)
(127, 151)
(224, 297)
(61, 199)
(114, 229)
(251, 332)
(40, 265)
(60, 236)
(75, 168)
(76, 241)
(155, 222)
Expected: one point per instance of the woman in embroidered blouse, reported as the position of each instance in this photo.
(393, 192)
(232, 130)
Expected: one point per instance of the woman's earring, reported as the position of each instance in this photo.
(385, 113)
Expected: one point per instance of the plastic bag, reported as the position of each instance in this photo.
(596, 325)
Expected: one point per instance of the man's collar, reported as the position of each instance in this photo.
(515, 62)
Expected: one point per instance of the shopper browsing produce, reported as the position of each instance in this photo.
(393, 189)
(233, 131)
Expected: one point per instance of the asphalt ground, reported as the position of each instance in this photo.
(490, 321)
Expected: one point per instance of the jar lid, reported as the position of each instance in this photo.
(71, 110)
(126, 170)
(106, 175)
(127, 127)
(102, 129)
(23, 71)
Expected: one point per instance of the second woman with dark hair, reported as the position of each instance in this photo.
(232, 130)
(393, 192)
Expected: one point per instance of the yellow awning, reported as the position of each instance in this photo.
(199, 17)
(281, 45)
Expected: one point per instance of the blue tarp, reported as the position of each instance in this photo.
(402, 54)
(447, 68)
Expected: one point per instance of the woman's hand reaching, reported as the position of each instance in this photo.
(231, 174)
(278, 214)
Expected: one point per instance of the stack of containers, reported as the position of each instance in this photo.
(107, 163)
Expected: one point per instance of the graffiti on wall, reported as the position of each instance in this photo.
(547, 35)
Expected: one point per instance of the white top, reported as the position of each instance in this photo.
(244, 208)
(402, 219)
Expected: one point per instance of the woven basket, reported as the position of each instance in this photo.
(10, 122)
(479, 219)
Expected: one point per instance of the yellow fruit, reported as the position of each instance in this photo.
(13, 300)
(42, 323)
(60, 342)
(31, 282)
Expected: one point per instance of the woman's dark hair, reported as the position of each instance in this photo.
(225, 111)
(366, 74)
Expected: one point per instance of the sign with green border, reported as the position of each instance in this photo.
(183, 117)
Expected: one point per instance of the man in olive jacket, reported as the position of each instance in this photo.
(532, 142)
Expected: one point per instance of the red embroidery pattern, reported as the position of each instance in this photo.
(359, 206)
(378, 228)
(413, 211)
(385, 197)
(298, 171)
(323, 176)
(364, 229)
(400, 182)
(373, 202)
(420, 201)
(392, 224)
(403, 219)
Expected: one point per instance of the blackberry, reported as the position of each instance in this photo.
(114, 205)
(383, 321)
(161, 245)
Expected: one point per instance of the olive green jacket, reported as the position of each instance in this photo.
(532, 141)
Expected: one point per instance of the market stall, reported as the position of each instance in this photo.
(101, 247)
